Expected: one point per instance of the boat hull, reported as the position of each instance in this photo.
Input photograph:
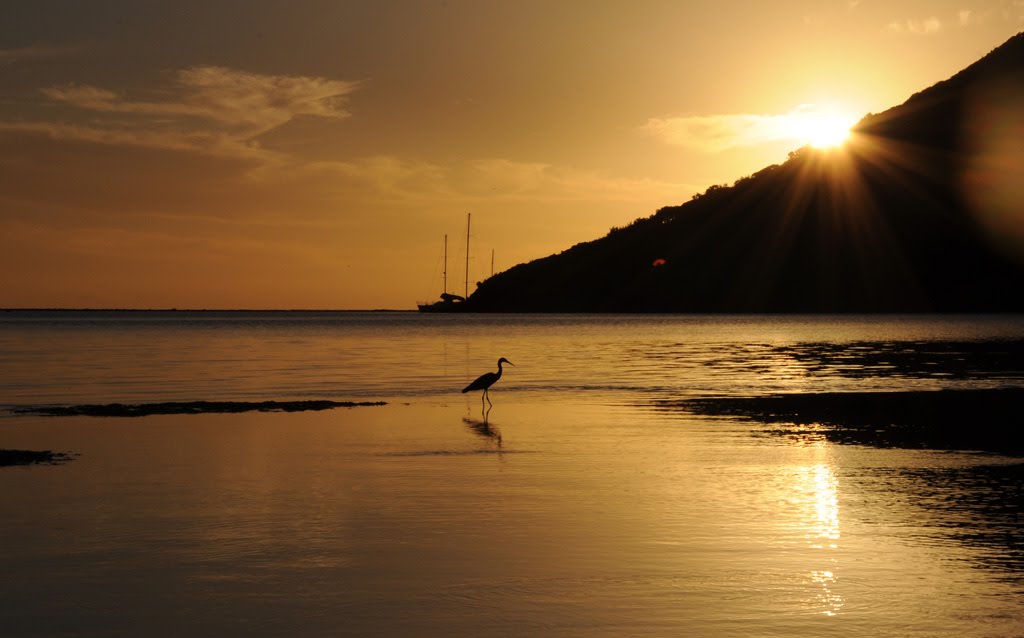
(442, 306)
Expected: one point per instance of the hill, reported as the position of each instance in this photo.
(921, 211)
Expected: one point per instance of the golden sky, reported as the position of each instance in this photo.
(313, 153)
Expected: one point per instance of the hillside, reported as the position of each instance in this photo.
(923, 210)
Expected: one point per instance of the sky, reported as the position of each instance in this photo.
(314, 153)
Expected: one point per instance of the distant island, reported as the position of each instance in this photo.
(923, 211)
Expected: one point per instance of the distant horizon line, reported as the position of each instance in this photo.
(413, 311)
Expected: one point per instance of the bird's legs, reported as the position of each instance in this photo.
(488, 398)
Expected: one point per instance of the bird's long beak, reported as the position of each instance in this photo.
(509, 362)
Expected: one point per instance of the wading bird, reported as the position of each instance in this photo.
(486, 380)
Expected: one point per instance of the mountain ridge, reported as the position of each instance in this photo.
(894, 222)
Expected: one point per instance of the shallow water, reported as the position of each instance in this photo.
(579, 508)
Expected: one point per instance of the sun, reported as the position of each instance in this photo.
(826, 131)
(822, 128)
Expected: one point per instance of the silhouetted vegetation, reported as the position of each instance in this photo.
(881, 226)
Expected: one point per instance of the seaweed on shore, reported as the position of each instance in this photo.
(984, 419)
(190, 407)
(33, 457)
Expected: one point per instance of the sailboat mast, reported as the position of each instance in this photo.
(492, 262)
(444, 273)
(469, 217)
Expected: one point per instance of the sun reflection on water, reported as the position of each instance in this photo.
(825, 532)
(820, 484)
(826, 598)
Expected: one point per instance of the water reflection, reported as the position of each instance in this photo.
(484, 429)
(826, 598)
(825, 530)
(821, 487)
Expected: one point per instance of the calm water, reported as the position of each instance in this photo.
(578, 508)
(99, 357)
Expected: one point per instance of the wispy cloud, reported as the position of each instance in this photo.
(717, 133)
(482, 180)
(208, 109)
(927, 26)
(714, 133)
(965, 17)
(206, 142)
(208, 116)
(514, 180)
(969, 17)
(246, 103)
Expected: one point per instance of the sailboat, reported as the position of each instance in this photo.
(450, 302)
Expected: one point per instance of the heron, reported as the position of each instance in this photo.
(486, 380)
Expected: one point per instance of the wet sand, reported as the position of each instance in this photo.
(49, 457)
(189, 407)
(33, 457)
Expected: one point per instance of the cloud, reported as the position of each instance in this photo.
(928, 26)
(965, 17)
(225, 96)
(489, 180)
(207, 109)
(972, 17)
(205, 142)
(714, 133)
(534, 181)
(717, 133)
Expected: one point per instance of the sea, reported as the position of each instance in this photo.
(581, 501)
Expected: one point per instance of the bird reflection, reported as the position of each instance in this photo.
(483, 428)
